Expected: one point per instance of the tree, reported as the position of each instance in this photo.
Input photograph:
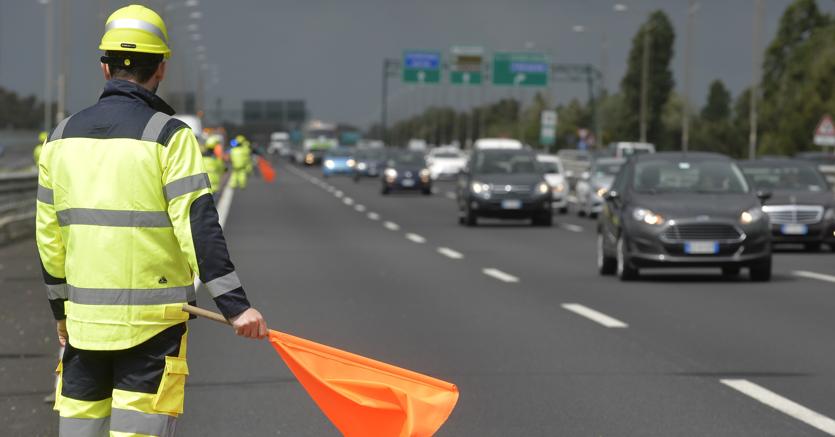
(718, 107)
(662, 37)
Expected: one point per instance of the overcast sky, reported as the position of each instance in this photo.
(330, 52)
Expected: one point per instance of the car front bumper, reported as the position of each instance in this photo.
(498, 208)
(821, 232)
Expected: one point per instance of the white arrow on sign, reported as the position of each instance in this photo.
(465, 77)
(519, 78)
(421, 75)
(825, 132)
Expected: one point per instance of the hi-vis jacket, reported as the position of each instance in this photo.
(125, 219)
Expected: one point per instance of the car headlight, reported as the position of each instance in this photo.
(479, 188)
(309, 158)
(424, 174)
(601, 191)
(543, 188)
(750, 216)
(351, 163)
(390, 173)
(361, 166)
(558, 188)
(329, 163)
(646, 216)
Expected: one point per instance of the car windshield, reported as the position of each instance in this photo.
(681, 176)
(549, 167)
(446, 155)
(407, 158)
(505, 162)
(340, 153)
(606, 170)
(372, 154)
(784, 177)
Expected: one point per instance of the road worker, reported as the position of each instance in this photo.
(240, 159)
(125, 220)
(247, 149)
(214, 166)
(36, 153)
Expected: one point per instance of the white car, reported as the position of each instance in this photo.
(445, 162)
(555, 177)
(279, 142)
(594, 183)
(497, 143)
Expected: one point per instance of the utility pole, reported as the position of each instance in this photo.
(755, 86)
(48, 78)
(692, 7)
(62, 76)
(645, 82)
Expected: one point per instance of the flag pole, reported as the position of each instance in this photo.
(197, 311)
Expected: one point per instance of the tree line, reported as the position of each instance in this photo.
(797, 89)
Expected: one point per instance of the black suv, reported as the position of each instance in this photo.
(503, 183)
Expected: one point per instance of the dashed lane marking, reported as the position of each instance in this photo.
(572, 227)
(373, 216)
(338, 193)
(449, 253)
(359, 208)
(500, 275)
(415, 238)
(781, 404)
(594, 315)
(348, 201)
(813, 275)
(392, 226)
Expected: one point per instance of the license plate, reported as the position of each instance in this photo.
(701, 247)
(794, 229)
(407, 183)
(511, 204)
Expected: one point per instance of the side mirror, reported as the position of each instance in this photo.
(611, 195)
(763, 195)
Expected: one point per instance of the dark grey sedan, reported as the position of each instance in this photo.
(683, 210)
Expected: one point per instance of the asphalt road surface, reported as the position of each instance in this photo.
(538, 343)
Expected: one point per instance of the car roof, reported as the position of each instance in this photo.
(544, 157)
(681, 156)
(607, 161)
(497, 143)
(766, 162)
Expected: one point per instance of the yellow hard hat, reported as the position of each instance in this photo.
(212, 141)
(42, 136)
(240, 138)
(136, 28)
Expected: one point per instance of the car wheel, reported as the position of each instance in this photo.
(426, 191)
(730, 271)
(563, 210)
(470, 219)
(543, 219)
(606, 265)
(581, 212)
(761, 271)
(592, 215)
(385, 191)
(625, 270)
(812, 247)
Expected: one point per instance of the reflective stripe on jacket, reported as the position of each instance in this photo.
(125, 219)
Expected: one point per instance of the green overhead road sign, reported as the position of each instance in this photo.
(466, 64)
(520, 69)
(421, 66)
(548, 127)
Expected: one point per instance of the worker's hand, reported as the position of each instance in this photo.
(62, 332)
(250, 324)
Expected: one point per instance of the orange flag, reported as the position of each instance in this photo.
(364, 397)
(267, 171)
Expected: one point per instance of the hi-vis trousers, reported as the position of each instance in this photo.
(239, 178)
(132, 392)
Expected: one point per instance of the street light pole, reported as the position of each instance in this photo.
(688, 48)
(645, 83)
(50, 38)
(755, 86)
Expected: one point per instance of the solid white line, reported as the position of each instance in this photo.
(782, 404)
(449, 253)
(348, 201)
(415, 238)
(572, 227)
(373, 216)
(813, 275)
(500, 275)
(391, 226)
(224, 204)
(450, 195)
(360, 208)
(595, 316)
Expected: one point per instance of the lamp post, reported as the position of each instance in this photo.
(755, 85)
(50, 37)
(692, 8)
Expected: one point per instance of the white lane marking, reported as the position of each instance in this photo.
(415, 238)
(338, 193)
(373, 216)
(450, 195)
(572, 227)
(500, 275)
(434, 190)
(348, 201)
(781, 404)
(813, 275)
(449, 253)
(391, 226)
(360, 208)
(594, 315)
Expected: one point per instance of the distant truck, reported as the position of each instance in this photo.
(279, 144)
(624, 149)
(319, 137)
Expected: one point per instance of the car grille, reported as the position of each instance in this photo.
(504, 188)
(702, 231)
(790, 214)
